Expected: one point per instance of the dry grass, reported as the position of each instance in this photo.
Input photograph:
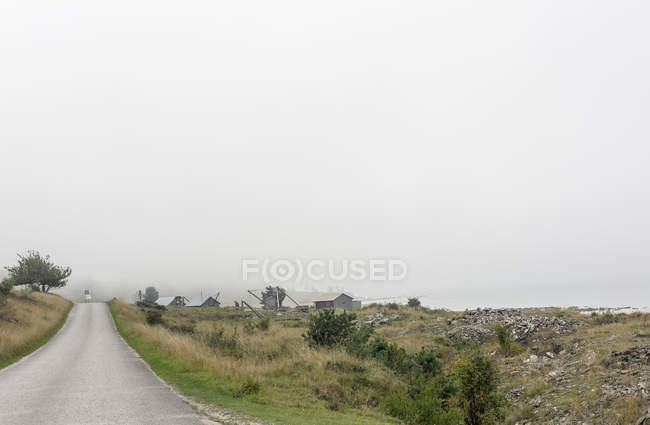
(27, 320)
(287, 372)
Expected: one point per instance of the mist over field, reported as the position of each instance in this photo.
(505, 161)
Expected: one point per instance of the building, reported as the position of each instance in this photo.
(208, 302)
(343, 301)
(177, 301)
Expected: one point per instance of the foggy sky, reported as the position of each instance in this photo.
(500, 149)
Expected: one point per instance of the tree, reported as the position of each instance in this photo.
(273, 296)
(478, 378)
(34, 269)
(413, 302)
(150, 294)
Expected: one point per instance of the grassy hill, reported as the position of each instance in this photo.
(27, 321)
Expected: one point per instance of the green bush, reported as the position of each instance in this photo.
(264, 324)
(478, 378)
(413, 302)
(153, 317)
(5, 288)
(150, 304)
(328, 329)
(428, 361)
(608, 318)
(357, 343)
(504, 337)
(227, 344)
(392, 306)
(249, 387)
(424, 404)
(391, 355)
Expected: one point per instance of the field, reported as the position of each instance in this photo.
(27, 321)
(566, 372)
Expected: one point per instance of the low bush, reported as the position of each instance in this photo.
(507, 344)
(345, 366)
(328, 329)
(264, 324)
(249, 387)
(217, 340)
(153, 317)
(608, 318)
(424, 404)
(357, 343)
(5, 288)
(150, 304)
(392, 306)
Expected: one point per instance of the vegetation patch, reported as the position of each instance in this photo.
(28, 320)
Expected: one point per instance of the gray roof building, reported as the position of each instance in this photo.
(207, 302)
(343, 301)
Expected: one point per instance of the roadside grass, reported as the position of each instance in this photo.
(28, 320)
(264, 374)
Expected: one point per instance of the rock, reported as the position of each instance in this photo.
(522, 326)
(470, 334)
(550, 355)
(532, 359)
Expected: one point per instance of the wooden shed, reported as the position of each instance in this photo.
(343, 301)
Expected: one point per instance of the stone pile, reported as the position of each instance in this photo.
(631, 357)
(380, 318)
(522, 326)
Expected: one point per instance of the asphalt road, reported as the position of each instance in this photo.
(88, 375)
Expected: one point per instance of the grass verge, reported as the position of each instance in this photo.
(29, 321)
(289, 391)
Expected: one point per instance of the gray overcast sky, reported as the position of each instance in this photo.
(499, 148)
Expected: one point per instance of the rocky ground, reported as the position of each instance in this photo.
(568, 369)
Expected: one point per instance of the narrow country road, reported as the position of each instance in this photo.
(88, 375)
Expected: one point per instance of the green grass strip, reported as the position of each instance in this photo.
(203, 387)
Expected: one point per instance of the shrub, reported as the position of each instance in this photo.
(328, 329)
(249, 387)
(345, 366)
(504, 337)
(392, 306)
(153, 317)
(428, 361)
(182, 328)
(264, 324)
(218, 340)
(413, 302)
(422, 405)
(5, 289)
(608, 318)
(390, 354)
(150, 304)
(357, 344)
(478, 378)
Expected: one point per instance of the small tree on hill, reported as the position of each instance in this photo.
(150, 294)
(36, 270)
(328, 329)
(478, 378)
(273, 296)
(413, 302)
